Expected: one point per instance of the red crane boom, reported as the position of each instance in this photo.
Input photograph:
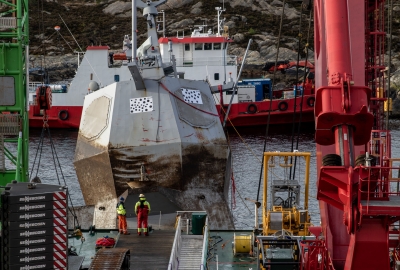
(353, 149)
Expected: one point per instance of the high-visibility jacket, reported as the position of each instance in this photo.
(121, 208)
(142, 207)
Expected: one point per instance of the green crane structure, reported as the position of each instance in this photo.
(14, 94)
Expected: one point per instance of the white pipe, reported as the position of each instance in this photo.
(134, 27)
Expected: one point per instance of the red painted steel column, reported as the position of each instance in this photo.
(337, 41)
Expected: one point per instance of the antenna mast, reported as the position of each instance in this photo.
(220, 22)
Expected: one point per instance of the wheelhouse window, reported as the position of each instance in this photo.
(217, 46)
(198, 46)
(216, 76)
(116, 78)
(207, 46)
(187, 47)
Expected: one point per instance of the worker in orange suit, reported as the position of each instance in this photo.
(121, 211)
(142, 210)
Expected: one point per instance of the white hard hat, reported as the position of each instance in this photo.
(141, 196)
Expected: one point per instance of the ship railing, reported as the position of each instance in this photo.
(230, 60)
(204, 252)
(379, 145)
(176, 247)
(314, 255)
(55, 88)
(33, 86)
(186, 233)
(379, 183)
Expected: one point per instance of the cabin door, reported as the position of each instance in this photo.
(187, 54)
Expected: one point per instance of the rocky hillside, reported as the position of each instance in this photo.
(105, 22)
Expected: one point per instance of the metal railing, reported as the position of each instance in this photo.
(33, 85)
(230, 60)
(55, 88)
(204, 252)
(377, 182)
(181, 226)
(176, 247)
(8, 22)
(315, 255)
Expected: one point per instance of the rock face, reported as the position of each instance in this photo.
(105, 22)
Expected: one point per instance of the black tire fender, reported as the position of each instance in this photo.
(63, 115)
(252, 108)
(283, 106)
(310, 101)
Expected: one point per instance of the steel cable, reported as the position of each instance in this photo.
(54, 153)
(302, 94)
(295, 89)
(271, 90)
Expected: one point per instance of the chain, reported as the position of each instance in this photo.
(45, 120)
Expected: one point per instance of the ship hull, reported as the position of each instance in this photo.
(177, 149)
(238, 116)
(58, 117)
(259, 113)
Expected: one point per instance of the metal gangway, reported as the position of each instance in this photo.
(189, 250)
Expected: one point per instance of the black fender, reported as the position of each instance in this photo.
(310, 101)
(283, 106)
(63, 115)
(252, 108)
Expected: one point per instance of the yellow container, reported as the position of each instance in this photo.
(241, 244)
(385, 105)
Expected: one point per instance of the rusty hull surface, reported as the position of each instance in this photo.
(187, 162)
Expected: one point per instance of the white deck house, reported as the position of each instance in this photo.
(202, 56)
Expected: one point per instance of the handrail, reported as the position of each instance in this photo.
(55, 88)
(205, 247)
(174, 264)
(230, 60)
(375, 182)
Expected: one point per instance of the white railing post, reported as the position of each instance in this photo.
(174, 264)
(205, 246)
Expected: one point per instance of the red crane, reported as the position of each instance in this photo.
(357, 205)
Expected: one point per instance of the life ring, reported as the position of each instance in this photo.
(63, 115)
(283, 106)
(252, 108)
(310, 101)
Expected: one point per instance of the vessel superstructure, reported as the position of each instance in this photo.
(100, 67)
(154, 132)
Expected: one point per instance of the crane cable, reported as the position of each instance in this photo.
(229, 145)
(46, 127)
(302, 94)
(296, 87)
(41, 29)
(56, 162)
(271, 90)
